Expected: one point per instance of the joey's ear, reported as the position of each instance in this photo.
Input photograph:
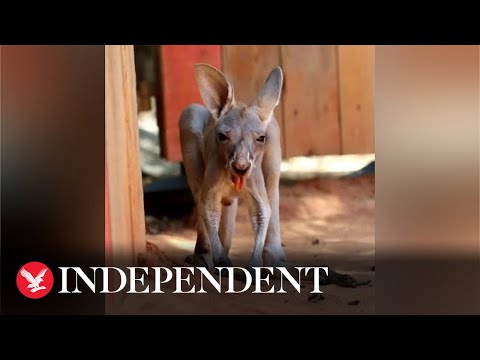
(215, 90)
(269, 96)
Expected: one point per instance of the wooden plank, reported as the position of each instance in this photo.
(110, 298)
(108, 238)
(357, 98)
(179, 89)
(310, 101)
(247, 67)
(124, 183)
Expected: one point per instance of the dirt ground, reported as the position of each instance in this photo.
(324, 222)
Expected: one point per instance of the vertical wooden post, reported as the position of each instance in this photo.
(124, 193)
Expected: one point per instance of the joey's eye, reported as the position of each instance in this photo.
(222, 137)
(261, 139)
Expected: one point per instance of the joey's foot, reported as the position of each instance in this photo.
(288, 266)
(223, 261)
(273, 256)
(238, 274)
(204, 260)
(255, 261)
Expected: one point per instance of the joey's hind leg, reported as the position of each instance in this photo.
(202, 255)
(192, 124)
(273, 254)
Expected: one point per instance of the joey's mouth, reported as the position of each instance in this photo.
(240, 168)
(238, 172)
(239, 182)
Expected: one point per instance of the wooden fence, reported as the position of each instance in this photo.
(327, 104)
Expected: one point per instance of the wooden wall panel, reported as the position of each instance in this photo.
(247, 67)
(327, 104)
(124, 183)
(310, 100)
(179, 89)
(357, 98)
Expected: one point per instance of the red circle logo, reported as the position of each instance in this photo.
(34, 280)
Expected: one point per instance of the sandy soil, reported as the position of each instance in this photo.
(324, 222)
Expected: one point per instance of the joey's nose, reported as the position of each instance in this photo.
(241, 166)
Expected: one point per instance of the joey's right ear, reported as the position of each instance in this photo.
(215, 90)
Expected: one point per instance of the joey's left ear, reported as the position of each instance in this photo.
(269, 96)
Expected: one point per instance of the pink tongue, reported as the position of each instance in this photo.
(239, 182)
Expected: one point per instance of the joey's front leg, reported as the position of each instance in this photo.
(259, 210)
(211, 212)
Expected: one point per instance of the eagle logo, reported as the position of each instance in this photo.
(34, 281)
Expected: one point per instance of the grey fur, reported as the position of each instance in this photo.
(210, 161)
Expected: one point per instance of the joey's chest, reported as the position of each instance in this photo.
(228, 190)
(227, 193)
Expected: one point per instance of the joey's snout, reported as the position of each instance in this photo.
(240, 164)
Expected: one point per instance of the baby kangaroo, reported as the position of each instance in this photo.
(231, 149)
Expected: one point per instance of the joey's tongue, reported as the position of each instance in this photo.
(239, 182)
